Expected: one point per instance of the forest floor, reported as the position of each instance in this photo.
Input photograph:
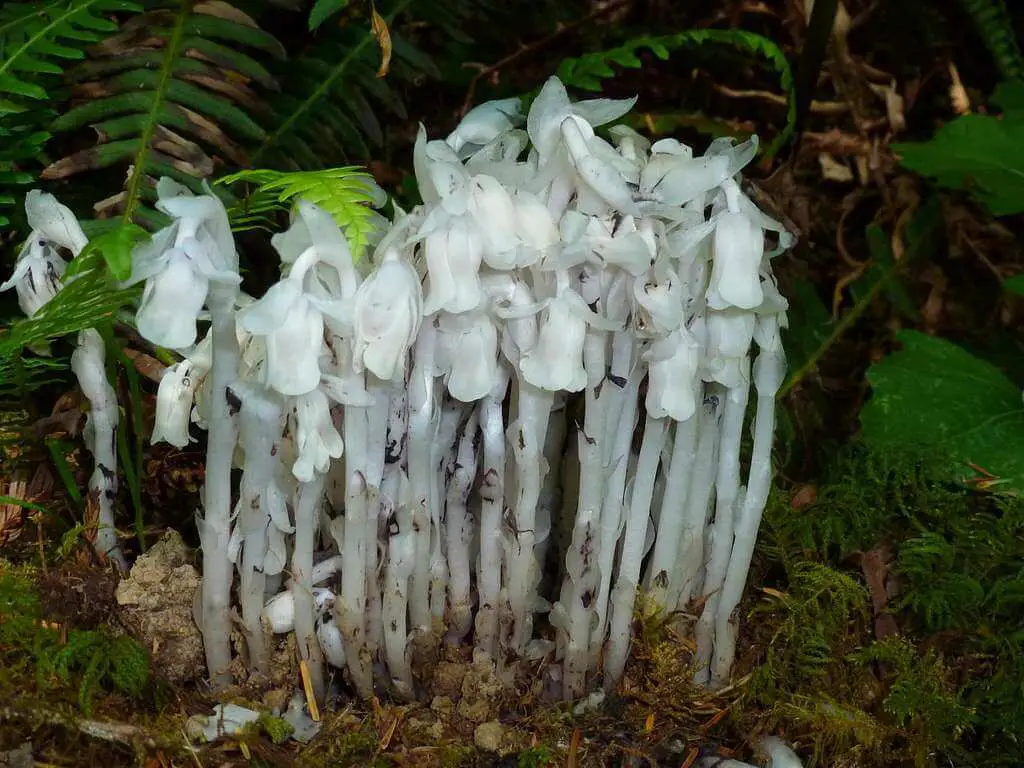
(875, 89)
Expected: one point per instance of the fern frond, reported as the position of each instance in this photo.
(996, 29)
(169, 95)
(590, 70)
(88, 298)
(36, 42)
(331, 95)
(349, 195)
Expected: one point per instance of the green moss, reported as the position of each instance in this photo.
(948, 689)
(90, 660)
(277, 728)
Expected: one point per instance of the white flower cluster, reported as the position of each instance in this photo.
(421, 432)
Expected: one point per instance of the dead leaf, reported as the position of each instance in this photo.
(833, 170)
(957, 93)
(805, 494)
(383, 35)
(875, 566)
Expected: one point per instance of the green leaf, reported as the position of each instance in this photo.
(349, 195)
(1009, 97)
(982, 154)
(1014, 284)
(323, 10)
(934, 393)
(116, 248)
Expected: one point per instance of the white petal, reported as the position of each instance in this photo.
(556, 361)
(269, 313)
(293, 352)
(171, 304)
(600, 111)
(738, 248)
(474, 360)
(453, 264)
(55, 222)
(547, 112)
(174, 404)
(388, 308)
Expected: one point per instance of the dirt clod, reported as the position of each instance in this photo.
(156, 600)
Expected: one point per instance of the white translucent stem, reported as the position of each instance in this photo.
(627, 578)
(377, 417)
(260, 435)
(579, 590)
(683, 577)
(673, 506)
(215, 524)
(401, 553)
(526, 435)
(727, 487)
(459, 531)
(621, 437)
(423, 421)
(445, 450)
(492, 504)
(352, 608)
(307, 509)
(748, 521)
(88, 362)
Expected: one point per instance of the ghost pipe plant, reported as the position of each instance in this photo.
(552, 352)
(189, 264)
(37, 278)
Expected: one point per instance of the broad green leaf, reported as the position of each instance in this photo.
(1015, 284)
(934, 394)
(1009, 97)
(116, 247)
(978, 153)
(323, 10)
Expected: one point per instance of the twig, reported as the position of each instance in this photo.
(817, 107)
(536, 45)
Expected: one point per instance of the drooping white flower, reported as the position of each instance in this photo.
(37, 275)
(174, 399)
(294, 332)
(316, 439)
(556, 361)
(673, 362)
(453, 257)
(173, 298)
(738, 248)
(387, 312)
(659, 303)
(484, 123)
(471, 342)
(180, 263)
(39, 268)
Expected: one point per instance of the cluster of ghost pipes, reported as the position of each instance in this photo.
(421, 431)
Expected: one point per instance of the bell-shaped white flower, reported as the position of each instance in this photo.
(172, 301)
(552, 106)
(37, 275)
(471, 342)
(484, 123)
(730, 333)
(293, 329)
(671, 385)
(54, 222)
(387, 312)
(453, 257)
(556, 361)
(179, 263)
(738, 248)
(39, 267)
(316, 439)
(659, 303)
(174, 399)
